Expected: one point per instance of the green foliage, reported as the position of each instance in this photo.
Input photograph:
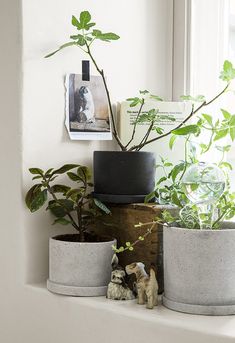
(168, 187)
(198, 98)
(228, 72)
(87, 33)
(74, 206)
(186, 130)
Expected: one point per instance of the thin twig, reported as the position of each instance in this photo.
(101, 72)
(135, 124)
(140, 146)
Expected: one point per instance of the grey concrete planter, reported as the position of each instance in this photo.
(79, 269)
(199, 270)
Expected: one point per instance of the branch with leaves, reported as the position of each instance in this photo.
(74, 206)
(84, 40)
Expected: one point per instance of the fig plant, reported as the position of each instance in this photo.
(85, 37)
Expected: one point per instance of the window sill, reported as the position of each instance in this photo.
(159, 323)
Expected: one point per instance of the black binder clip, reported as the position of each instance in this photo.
(85, 70)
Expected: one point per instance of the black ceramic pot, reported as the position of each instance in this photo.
(123, 177)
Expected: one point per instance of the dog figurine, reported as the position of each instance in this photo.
(117, 288)
(147, 286)
(85, 109)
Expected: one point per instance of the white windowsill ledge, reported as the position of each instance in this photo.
(138, 323)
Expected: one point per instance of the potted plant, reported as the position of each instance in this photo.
(198, 242)
(199, 266)
(115, 176)
(80, 263)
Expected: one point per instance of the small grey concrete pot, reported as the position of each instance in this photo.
(199, 270)
(79, 268)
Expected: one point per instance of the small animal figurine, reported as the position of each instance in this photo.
(147, 286)
(117, 288)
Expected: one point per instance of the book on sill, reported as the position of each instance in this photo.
(175, 110)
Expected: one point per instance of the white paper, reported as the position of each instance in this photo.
(87, 113)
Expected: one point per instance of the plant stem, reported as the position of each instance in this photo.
(144, 236)
(185, 157)
(136, 121)
(144, 140)
(64, 207)
(141, 145)
(101, 72)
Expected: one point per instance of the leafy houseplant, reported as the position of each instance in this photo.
(199, 264)
(84, 39)
(80, 264)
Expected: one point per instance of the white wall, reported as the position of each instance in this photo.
(32, 131)
(139, 60)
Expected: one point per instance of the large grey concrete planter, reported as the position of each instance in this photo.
(199, 270)
(79, 269)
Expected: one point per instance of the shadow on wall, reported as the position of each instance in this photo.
(38, 229)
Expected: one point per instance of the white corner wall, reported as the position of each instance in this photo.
(141, 59)
(32, 132)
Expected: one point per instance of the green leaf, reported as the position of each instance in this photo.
(134, 101)
(221, 134)
(85, 18)
(149, 197)
(89, 25)
(65, 168)
(208, 118)
(232, 133)
(175, 200)
(225, 148)
(158, 129)
(79, 38)
(198, 98)
(37, 177)
(107, 37)
(36, 171)
(102, 206)
(172, 141)
(60, 48)
(73, 176)
(31, 194)
(84, 173)
(228, 72)
(232, 120)
(162, 179)
(60, 189)
(155, 97)
(144, 92)
(60, 209)
(39, 200)
(141, 238)
(168, 164)
(186, 130)
(61, 221)
(48, 172)
(176, 170)
(74, 194)
(226, 165)
(226, 114)
(75, 22)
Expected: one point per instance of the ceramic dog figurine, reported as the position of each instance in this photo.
(117, 288)
(147, 286)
